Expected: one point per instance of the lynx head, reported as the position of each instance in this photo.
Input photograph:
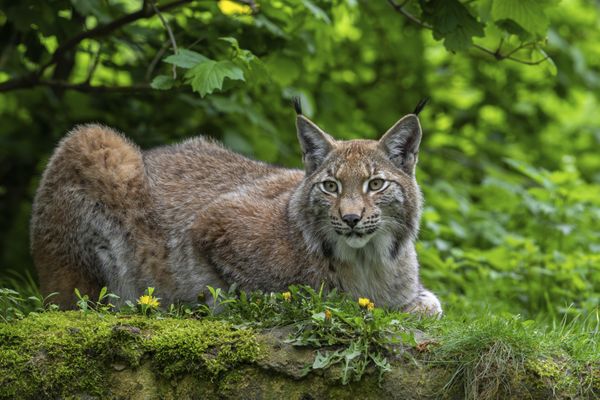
(357, 190)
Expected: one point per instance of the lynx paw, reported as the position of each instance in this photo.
(426, 303)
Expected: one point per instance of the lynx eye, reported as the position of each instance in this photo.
(329, 186)
(376, 184)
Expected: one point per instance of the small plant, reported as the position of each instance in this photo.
(366, 303)
(220, 299)
(101, 305)
(356, 334)
(13, 306)
(148, 303)
(363, 336)
(82, 301)
(10, 302)
(42, 304)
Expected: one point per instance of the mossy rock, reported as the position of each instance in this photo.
(76, 355)
(57, 354)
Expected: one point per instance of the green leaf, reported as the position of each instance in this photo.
(316, 11)
(549, 63)
(210, 74)
(513, 28)
(263, 22)
(485, 10)
(319, 317)
(535, 174)
(453, 22)
(185, 58)
(381, 361)
(162, 82)
(242, 55)
(96, 8)
(352, 352)
(529, 14)
(326, 359)
(231, 40)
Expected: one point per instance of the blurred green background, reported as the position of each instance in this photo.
(510, 159)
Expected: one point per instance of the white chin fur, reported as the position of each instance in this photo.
(357, 242)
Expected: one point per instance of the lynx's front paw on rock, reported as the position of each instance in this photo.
(426, 303)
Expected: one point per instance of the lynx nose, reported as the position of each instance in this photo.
(351, 219)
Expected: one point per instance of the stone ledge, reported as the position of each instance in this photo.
(72, 355)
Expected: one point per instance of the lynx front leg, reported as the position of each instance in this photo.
(425, 303)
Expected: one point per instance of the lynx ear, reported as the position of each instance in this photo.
(315, 143)
(401, 143)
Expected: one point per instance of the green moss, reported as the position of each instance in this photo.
(568, 380)
(187, 346)
(56, 354)
(43, 354)
(550, 373)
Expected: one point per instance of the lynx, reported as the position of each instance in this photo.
(193, 214)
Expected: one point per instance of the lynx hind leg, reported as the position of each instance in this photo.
(60, 280)
(63, 246)
(426, 303)
(86, 196)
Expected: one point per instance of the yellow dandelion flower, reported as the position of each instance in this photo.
(287, 296)
(229, 7)
(370, 306)
(363, 301)
(327, 314)
(149, 301)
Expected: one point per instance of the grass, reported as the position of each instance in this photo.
(20, 296)
(487, 355)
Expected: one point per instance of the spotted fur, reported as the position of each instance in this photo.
(193, 214)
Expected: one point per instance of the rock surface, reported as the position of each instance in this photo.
(69, 354)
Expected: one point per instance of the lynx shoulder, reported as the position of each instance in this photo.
(193, 214)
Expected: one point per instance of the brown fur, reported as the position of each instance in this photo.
(195, 214)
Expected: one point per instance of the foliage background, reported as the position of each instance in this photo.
(509, 162)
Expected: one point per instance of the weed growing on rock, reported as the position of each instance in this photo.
(353, 337)
(101, 305)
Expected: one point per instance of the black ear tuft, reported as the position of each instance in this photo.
(421, 105)
(297, 105)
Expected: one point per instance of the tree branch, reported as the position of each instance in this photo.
(156, 59)
(169, 31)
(23, 82)
(494, 53)
(34, 78)
(400, 8)
(94, 65)
(103, 30)
(86, 87)
(536, 62)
